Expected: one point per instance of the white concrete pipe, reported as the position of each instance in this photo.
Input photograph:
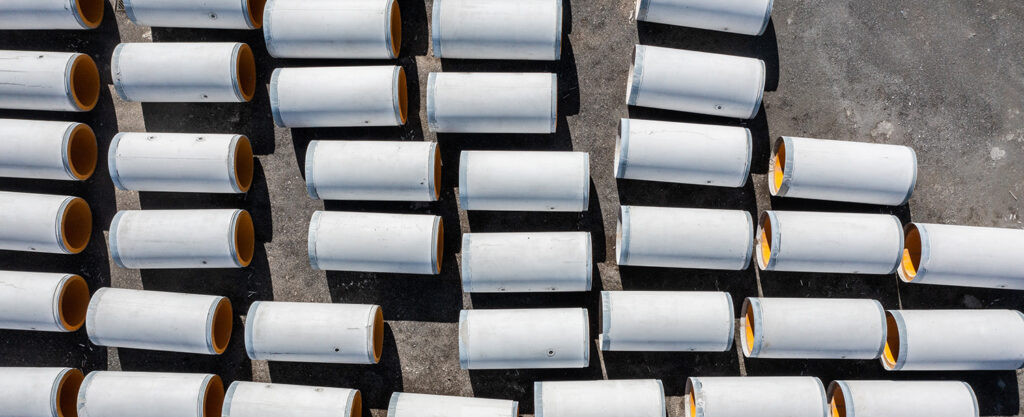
(50, 14)
(799, 396)
(953, 340)
(47, 150)
(902, 399)
(696, 82)
(666, 321)
(963, 256)
(406, 404)
(476, 102)
(608, 398)
(852, 172)
(56, 81)
(127, 394)
(167, 239)
(156, 320)
(39, 392)
(184, 72)
(812, 328)
(524, 338)
(373, 170)
(526, 262)
(257, 399)
(376, 242)
(330, 29)
(44, 223)
(202, 14)
(844, 243)
(746, 17)
(51, 302)
(524, 181)
(497, 29)
(683, 153)
(671, 237)
(181, 162)
(339, 96)
(314, 332)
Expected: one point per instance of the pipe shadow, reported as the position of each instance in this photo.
(415, 30)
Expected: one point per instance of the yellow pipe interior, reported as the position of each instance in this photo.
(244, 164)
(73, 303)
(892, 341)
(748, 327)
(67, 393)
(911, 253)
(213, 398)
(91, 12)
(440, 244)
(256, 12)
(764, 242)
(378, 335)
(82, 151)
(245, 238)
(396, 28)
(778, 165)
(837, 403)
(222, 324)
(357, 405)
(76, 225)
(403, 96)
(85, 82)
(437, 174)
(693, 406)
(246, 71)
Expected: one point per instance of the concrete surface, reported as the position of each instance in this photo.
(944, 77)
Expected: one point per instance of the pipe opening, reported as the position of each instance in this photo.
(440, 244)
(220, 333)
(836, 402)
(911, 254)
(245, 238)
(403, 96)
(73, 303)
(244, 164)
(693, 406)
(892, 342)
(256, 12)
(82, 151)
(213, 398)
(396, 29)
(764, 239)
(357, 405)
(67, 393)
(76, 225)
(778, 163)
(378, 335)
(748, 327)
(91, 12)
(437, 174)
(85, 82)
(246, 72)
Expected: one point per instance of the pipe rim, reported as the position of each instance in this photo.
(254, 10)
(692, 391)
(752, 321)
(243, 64)
(393, 34)
(228, 397)
(431, 107)
(622, 149)
(913, 180)
(89, 13)
(83, 82)
(622, 236)
(355, 404)
(640, 12)
(72, 302)
(308, 169)
(115, 59)
(434, 175)
(212, 402)
(275, 99)
(435, 29)
(767, 18)
(839, 400)
(586, 182)
(437, 251)
(250, 325)
(243, 240)
(75, 225)
(760, 91)
(243, 165)
(463, 177)
(554, 103)
(80, 151)
(401, 96)
(750, 157)
(780, 165)
(314, 225)
(915, 253)
(376, 334)
(768, 241)
(895, 339)
(586, 338)
(558, 31)
(220, 325)
(636, 75)
(65, 393)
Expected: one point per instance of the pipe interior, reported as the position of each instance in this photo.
(778, 165)
(213, 398)
(246, 72)
(82, 152)
(396, 28)
(440, 244)
(911, 253)
(256, 12)
(378, 334)
(76, 225)
(437, 174)
(764, 240)
(67, 393)
(403, 96)
(222, 323)
(244, 164)
(837, 402)
(691, 403)
(91, 12)
(245, 238)
(357, 405)
(85, 82)
(892, 341)
(74, 301)
(748, 327)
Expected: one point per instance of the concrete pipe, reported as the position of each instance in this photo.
(376, 242)
(314, 332)
(50, 14)
(666, 321)
(953, 340)
(56, 81)
(125, 394)
(370, 29)
(168, 239)
(524, 181)
(405, 404)
(608, 398)
(181, 162)
(746, 17)
(206, 72)
(812, 328)
(474, 102)
(155, 320)
(524, 338)
(44, 223)
(696, 82)
(853, 172)
(799, 396)
(39, 392)
(202, 14)
(963, 256)
(843, 243)
(47, 150)
(526, 262)
(339, 96)
(42, 301)
(683, 153)
(684, 238)
(902, 399)
(257, 399)
(373, 170)
(497, 29)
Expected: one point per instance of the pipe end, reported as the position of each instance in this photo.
(73, 303)
(80, 152)
(75, 225)
(245, 238)
(84, 82)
